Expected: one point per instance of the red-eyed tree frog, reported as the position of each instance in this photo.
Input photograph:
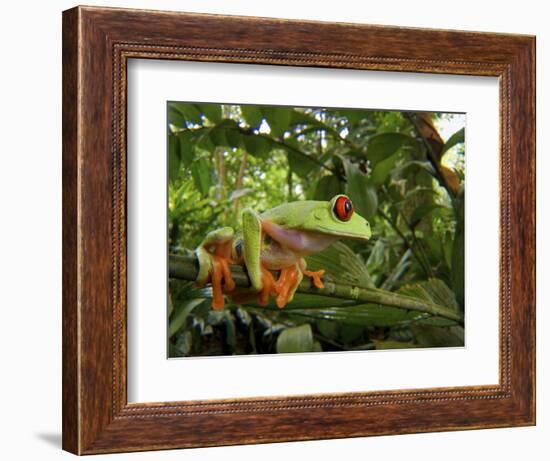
(277, 240)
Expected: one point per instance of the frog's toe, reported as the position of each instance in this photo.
(287, 284)
(220, 278)
(316, 277)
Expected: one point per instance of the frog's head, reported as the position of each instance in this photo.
(337, 217)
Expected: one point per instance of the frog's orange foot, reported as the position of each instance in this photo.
(286, 285)
(269, 287)
(316, 277)
(220, 278)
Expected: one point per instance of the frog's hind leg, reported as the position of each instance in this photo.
(214, 255)
(287, 284)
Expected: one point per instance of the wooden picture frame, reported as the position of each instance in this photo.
(97, 43)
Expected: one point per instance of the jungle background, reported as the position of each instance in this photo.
(403, 171)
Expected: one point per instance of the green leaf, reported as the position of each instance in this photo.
(363, 315)
(412, 165)
(430, 336)
(328, 328)
(301, 118)
(456, 138)
(201, 176)
(212, 112)
(382, 146)
(306, 301)
(230, 331)
(187, 151)
(422, 211)
(327, 187)
(433, 290)
(351, 332)
(362, 193)
(183, 344)
(204, 140)
(178, 319)
(258, 146)
(252, 115)
(457, 261)
(278, 119)
(234, 138)
(295, 339)
(393, 344)
(299, 163)
(352, 115)
(173, 157)
(341, 265)
(382, 169)
(191, 113)
(218, 138)
(175, 117)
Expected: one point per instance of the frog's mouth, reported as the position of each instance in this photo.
(352, 235)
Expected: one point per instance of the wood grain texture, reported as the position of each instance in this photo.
(97, 43)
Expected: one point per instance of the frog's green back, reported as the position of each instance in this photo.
(292, 213)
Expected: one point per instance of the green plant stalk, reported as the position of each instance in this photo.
(408, 244)
(186, 268)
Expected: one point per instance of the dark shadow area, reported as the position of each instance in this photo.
(51, 438)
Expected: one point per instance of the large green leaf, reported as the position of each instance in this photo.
(341, 265)
(432, 290)
(178, 320)
(189, 111)
(212, 112)
(204, 141)
(187, 150)
(431, 336)
(252, 115)
(382, 146)
(365, 315)
(296, 339)
(218, 137)
(327, 187)
(201, 175)
(299, 162)
(361, 191)
(278, 119)
(299, 117)
(423, 210)
(382, 169)
(175, 117)
(456, 138)
(457, 261)
(173, 157)
(234, 137)
(307, 301)
(258, 146)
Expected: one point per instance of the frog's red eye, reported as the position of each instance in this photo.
(343, 208)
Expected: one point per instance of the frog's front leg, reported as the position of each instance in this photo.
(260, 277)
(214, 255)
(314, 275)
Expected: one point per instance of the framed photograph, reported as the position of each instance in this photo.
(282, 230)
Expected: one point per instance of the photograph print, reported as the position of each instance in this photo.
(313, 229)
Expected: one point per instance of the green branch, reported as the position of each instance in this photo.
(186, 268)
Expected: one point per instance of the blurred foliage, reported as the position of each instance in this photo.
(399, 172)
